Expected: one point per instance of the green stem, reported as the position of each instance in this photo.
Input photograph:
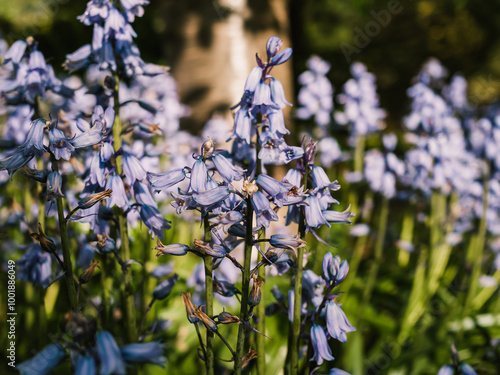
(295, 341)
(245, 288)
(105, 285)
(379, 247)
(475, 253)
(127, 287)
(63, 231)
(406, 236)
(261, 316)
(209, 299)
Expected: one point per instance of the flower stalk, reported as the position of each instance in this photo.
(209, 299)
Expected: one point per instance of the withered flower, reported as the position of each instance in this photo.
(190, 307)
(252, 354)
(46, 243)
(205, 319)
(87, 274)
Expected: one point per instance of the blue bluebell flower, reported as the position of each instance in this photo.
(54, 186)
(150, 352)
(334, 271)
(60, 145)
(467, 369)
(132, 169)
(119, 196)
(313, 213)
(338, 217)
(320, 345)
(109, 354)
(43, 362)
(86, 365)
(165, 288)
(15, 52)
(337, 371)
(337, 322)
(286, 241)
(227, 171)
(446, 370)
(166, 180)
(277, 190)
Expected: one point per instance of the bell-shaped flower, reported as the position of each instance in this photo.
(337, 371)
(320, 345)
(313, 212)
(43, 362)
(150, 352)
(85, 365)
(164, 289)
(336, 322)
(277, 190)
(166, 180)
(273, 46)
(285, 241)
(132, 169)
(199, 176)
(109, 354)
(337, 216)
(281, 57)
(334, 271)
(15, 52)
(210, 197)
(154, 220)
(59, 145)
(118, 197)
(224, 288)
(263, 211)
(278, 94)
(226, 169)
(54, 185)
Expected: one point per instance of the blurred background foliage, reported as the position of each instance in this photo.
(463, 34)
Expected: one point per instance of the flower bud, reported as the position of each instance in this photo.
(273, 46)
(172, 249)
(227, 318)
(87, 274)
(92, 199)
(205, 319)
(286, 242)
(46, 243)
(164, 288)
(213, 250)
(255, 293)
(190, 307)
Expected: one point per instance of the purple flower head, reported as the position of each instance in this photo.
(166, 180)
(320, 180)
(164, 289)
(109, 354)
(263, 211)
(150, 352)
(446, 370)
(273, 46)
(337, 322)
(15, 52)
(314, 215)
(320, 345)
(281, 57)
(211, 197)
(278, 94)
(199, 176)
(338, 217)
(44, 361)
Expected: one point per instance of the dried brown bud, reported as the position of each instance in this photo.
(87, 274)
(190, 307)
(249, 188)
(205, 319)
(46, 243)
(252, 354)
(92, 199)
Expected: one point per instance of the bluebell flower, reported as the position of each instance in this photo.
(210, 197)
(90, 137)
(132, 169)
(35, 266)
(334, 271)
(227, 171)
(263, 211)
(286, 241)
(224, 288)
(166, 180)
(85, 256)
(118, 196)
(320, 345)
(34, 138)
(278, 95)
(277, 190)
(54, 185)
(111, 359)
(337, 216)
(86, 365)
(199, 176)
(97, 174)
(150, 352)
(154, 220)
(59, 145)
(273, 46)
(337, 322)
(165, 288)
(43, 362)
(211, 249)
